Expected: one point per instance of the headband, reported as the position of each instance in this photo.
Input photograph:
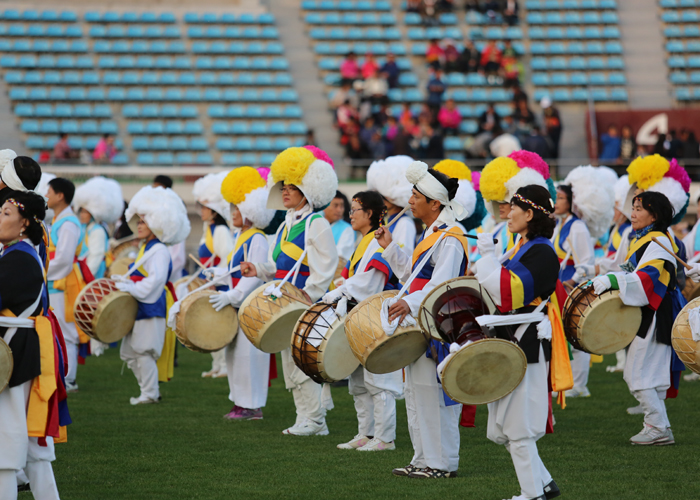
(20, 206)
(418, 175)
(382, 215)
(532, 204)
(8, 174)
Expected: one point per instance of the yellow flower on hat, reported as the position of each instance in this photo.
(454, 169)
(647, 171)
(239, 182)
(291, 165)
(494, 177)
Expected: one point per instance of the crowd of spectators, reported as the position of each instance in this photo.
(496, 11)
(620, 147)
(104, 152)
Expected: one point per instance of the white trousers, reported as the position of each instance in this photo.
(375, 407)
(580, 367)
(22, 452)
(248, 370)
(218, 361)
(141, 350)
(70, 334)
(307, 393)
(433, 427)
(518, 421)
(652, 402)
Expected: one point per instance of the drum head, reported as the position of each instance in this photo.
(338, 360)
(687, 349)
(203, 327)
(484, 371)
(6, 364)
(114, 317)
(607, 325)
(449, 310)
(691, 290)
(120, 266)
(397, 351)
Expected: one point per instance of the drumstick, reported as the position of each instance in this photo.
(196, 261)
(398, 216)
(573, 251)
(292, 297)
(680, 261)
(245, 252)
(472, 236)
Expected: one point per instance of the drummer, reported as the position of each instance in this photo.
(149, 350)
(433, 418)
(388, 177)
(216, 243)
(652, 286)
(526, 278)
(336, 214)
(23, 294)
(366, 274)
(304, 181)
(178, 253)
(247, 367)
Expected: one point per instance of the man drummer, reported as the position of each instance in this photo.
(336, 214)
(304, 181)
(433, 419)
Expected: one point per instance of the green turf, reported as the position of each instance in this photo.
(182, 448)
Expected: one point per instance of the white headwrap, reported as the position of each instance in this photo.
(8, 174)
(418, 175)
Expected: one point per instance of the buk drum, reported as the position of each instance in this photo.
(6, 364)
(193, 284)
(268, 321)
(691, 290)
(103, 312)
(319, 346)
(687, 349)
(378, 352)
(201, 328)
(599, 324)
(124, 254)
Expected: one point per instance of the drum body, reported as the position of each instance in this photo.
(124, 254)
(378, 352)
(691, 290)
(7, 364)
(269, 321)
(191, 287)
(103, 312)
(484, 371)
(200, 328)
(687, 349)
(599, 324)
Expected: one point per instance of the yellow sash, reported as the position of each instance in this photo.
(243, 238)
(430, 240)
(290, 249)
(360, 252)
(209, 239)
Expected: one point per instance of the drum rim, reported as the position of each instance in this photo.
(6, 347)
(179, 321)
(522, 375)
(690, 305)
(78, 298)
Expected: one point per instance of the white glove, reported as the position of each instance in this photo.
(219, 300)
(125, 286)
(485, 244)
(119, 277)
(583, 271)
(601, 283)
(333, 296)
(694, 273)
(213, 272)
(97, 348)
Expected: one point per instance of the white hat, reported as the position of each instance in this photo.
(43, 189)
(163, 211)
(593, 198)
(101, 197)
(546, 102)
(245, 188)
(207, 192)
(388, 177)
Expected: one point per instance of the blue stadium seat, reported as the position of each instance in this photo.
(229, 159)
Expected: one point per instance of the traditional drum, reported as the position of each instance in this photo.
(686, 347)
(269, 321)
(378, 352)
(124, 254)
(6, 364)
(455, 302)
(599, 324)
(319, 346)
(691, 290)
(191, 287)
(200, 327)
(103, 312)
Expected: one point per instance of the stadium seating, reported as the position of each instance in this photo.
(682, 33)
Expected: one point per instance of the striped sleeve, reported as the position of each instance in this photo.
(655, 275)
(377, 262)
(533, 275)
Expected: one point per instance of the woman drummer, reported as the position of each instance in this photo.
(366, 274)
(216, 243)
(247, 367)
(527, 277)
(23, 294)
(304, 181)
(651, 285)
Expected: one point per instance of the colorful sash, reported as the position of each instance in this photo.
(376, 262)
(424, 245)
(87, 230)
(559, 240)
(616, 238)
(237, 254)
(289, 248)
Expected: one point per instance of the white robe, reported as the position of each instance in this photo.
(346, 242)
(97, 242)
(612, 264)
(404, 234)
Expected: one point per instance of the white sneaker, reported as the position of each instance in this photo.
(376, 444)
(692, 377)
(578, 392)
(356, 442)
(210, 373)
(614, 369)
(653, 435)
(635, 410)
(142, 400)
(308, 428)
(71, 387)
(219, 374)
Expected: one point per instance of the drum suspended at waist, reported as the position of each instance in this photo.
(201, 328)
(103, 312)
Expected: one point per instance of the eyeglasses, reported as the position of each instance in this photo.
(289, 189)
(356, 210)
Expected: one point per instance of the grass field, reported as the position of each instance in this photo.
(182, 448)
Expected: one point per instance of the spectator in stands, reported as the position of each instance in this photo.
(368, 129)
(62, 152)
(413, 128)
(510, 12)
(406, 115)
(345, 93)
(668, 145)
(492, 8)
(344, 116)
(449, 118)
(436, 89)
(429, 144)
(523, 114)
(389, 132)
(451, 56)
(349, 69)
(401, 144)
(434, 54)
(370, 67)
(488, 118)
(390, 71)
(507, 124)
(491, 49)
(375, 89)
(105, 150)
(310, 139)
(426, 115)
(376, 146)
(552, 124)
(628, 146)
(691, 148)
(537, 143)
(414, 6)
(355, 150)
(503, 142)
(610, 145)
(429, 13)
(469, 58)
(471, 5)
